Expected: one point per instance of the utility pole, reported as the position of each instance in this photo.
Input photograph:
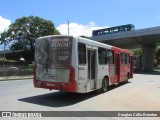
(4, 57)
(4, 54)
(68, 27)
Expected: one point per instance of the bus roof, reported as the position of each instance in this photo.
(86, 40)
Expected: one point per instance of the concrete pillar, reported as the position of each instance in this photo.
(148, 52)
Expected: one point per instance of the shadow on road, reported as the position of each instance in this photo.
(58, 99)
(61, 99)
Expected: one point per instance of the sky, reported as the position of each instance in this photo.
(83, 15)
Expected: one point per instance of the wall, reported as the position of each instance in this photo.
(14, 69)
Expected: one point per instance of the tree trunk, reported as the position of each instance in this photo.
(32, 50)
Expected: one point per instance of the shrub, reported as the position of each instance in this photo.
(31, 66)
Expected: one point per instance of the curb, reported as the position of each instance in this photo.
(20, 78)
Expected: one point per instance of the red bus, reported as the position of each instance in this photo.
(76, 64)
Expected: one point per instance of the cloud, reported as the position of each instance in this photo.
(4, 24)
(77, 29)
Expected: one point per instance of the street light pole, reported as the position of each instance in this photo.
(4, 54)
(68, 27)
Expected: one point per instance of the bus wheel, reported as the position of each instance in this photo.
(105, 85)
(127, 77)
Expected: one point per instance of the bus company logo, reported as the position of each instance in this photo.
(6, 114)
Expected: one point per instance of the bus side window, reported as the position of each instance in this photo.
(122, 58)
(110, 56)
(82, 53)
(128, 59)
(125, 59)
(102, 56)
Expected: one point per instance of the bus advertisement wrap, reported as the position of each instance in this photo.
(53, 59)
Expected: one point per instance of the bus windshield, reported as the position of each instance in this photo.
(53, 58)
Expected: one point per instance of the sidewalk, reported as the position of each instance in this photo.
(16, 78)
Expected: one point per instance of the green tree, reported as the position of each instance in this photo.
(3, 38)
(137, 52)
(158, 51)
(26, 30)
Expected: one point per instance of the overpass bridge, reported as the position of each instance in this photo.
(147, 39)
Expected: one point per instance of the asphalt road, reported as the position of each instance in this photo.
(141, 94)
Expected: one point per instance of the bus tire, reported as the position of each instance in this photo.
(127, 77)
(104, 85)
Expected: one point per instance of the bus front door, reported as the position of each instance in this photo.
(91, 68)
